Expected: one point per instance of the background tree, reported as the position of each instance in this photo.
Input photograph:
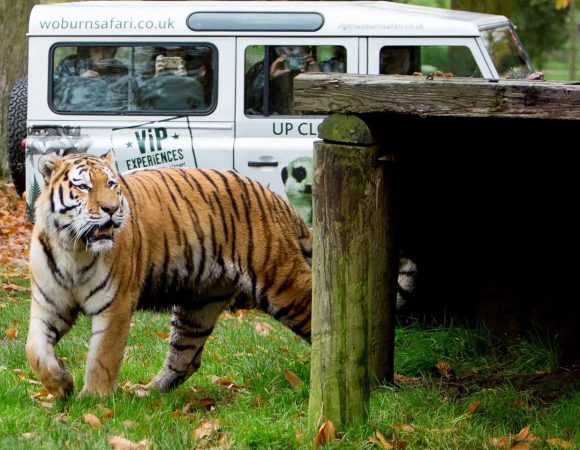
(541, 23)
(13, 63)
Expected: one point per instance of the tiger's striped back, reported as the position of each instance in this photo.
(219, 234)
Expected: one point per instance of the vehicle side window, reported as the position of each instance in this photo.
(407, 60)
(112, 79)
(269, 71)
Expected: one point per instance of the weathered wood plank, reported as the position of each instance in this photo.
(460, 97)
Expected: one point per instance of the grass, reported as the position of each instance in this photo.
(261, 410)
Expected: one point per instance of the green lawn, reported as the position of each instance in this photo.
(241, 386)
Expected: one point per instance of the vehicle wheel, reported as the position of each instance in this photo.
(16, 128)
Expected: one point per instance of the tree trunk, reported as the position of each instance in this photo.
(354, 277)
(14, 50)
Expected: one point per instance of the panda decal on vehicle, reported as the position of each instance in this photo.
(297, 179)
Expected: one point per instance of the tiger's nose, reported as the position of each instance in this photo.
(110, 209)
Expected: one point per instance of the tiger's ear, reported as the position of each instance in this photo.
(47, 166)
(109, 158)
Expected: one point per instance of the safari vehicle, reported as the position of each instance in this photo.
(209, 84)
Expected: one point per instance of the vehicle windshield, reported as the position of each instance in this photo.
(507, 52)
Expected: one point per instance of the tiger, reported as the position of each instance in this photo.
(188, 240)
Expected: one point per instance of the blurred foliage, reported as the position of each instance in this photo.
(541, 26)
(541, 23)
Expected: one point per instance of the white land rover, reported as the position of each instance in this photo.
(209, 84)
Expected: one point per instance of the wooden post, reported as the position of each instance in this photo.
(354, 273)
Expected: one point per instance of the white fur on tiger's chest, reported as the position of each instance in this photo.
(70, 278)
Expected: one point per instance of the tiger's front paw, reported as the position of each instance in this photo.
(95, 391)
(58, 382)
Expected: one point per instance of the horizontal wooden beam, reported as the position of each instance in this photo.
(319, 93)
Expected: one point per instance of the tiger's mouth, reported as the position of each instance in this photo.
(99, 233)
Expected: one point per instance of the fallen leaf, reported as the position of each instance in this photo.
(13, 287)
(162, 334)
(326, 433)
(259, 401)
(208, 404)
(92, 420)
(403, 427)
(523, 434)
(382, 440)
(224, 443)
(559, 442)
(263, 328)
(11, 333)
(293, 379)
(42, 394)
(472, 407)
(445, 369)
(106, 413)
(121, 443)
(27, 435)
(136, 390)
(401, 443)
(520, 446)
(206, 428)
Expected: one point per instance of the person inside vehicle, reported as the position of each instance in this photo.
(91, 79)
(90, 62)
(338, 61)
(395, 61)
(181, 80)
(286, 63)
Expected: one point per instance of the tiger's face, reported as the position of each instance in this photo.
(85, 203)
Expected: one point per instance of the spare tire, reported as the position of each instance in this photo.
(16, 128)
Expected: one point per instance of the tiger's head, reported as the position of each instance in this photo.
(82, 203)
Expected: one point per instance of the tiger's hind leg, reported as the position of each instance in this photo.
(291, 303)
(190, 329)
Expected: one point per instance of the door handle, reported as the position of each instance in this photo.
(262, 163)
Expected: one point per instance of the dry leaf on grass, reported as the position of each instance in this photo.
(326, 433)
(11, 333)
(42, 394)
(92, 420)
(403, 427)
(380, 441)
(263, 328)
(559, 442)
(121, 443)
(106, 413)
(162, 334)
(136, 390)
(293, 379)
(445, 369)
(13, 287)
(206, 429)
(472, 407)
(259, 401)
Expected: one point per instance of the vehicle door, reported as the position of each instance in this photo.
(273, 144)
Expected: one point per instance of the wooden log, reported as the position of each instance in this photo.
(460, 97)
(354, 273)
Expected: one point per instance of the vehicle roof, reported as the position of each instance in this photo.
(347, 18)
